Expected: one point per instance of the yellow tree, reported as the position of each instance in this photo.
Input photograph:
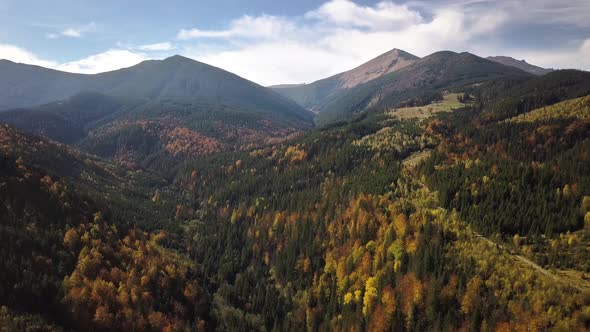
(471, 298)
(371, 295)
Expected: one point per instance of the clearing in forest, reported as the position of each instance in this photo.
(449, 103)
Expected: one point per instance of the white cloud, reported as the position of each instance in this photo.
(571, 12)
(77, 32)
(577, 57)
(264, 27)
(270, 63)
(166, 46)
(72, 33)
(385, 15)
(20, 55)
(106, 61)
(539, 12)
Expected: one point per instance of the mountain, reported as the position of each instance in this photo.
(423, 80)
(175, 77)
(24, 85)
(175, 106)
(313, 94)
(522, 64)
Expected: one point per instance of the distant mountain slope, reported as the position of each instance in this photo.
(24, 85)
(422, 79)
(379, 66)
(313, 94)
(522, 64)
(67, 121)
(175, 77)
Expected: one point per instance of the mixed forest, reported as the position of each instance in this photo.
(463, 206)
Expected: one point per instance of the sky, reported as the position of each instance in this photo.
(279, 41)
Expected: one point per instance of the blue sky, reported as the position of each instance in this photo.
(272, 42)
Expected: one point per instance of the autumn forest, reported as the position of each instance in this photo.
(449, 194)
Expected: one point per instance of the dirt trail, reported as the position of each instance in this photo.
(522, 259)
(527, 261)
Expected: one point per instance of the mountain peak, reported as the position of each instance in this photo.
(442, 54)
(401, 53)
(173, 60)
(313, 94)
(179, 58)
(7, 62)
(384, 64)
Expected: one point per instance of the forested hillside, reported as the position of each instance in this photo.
(72, 251)
(154, 114)
(362, 239)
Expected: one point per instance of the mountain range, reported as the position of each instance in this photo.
(45, 90)
(423, 79)
(363, 84)
(443, 193)
(180, 106)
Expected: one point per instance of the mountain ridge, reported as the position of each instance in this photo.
(312, 94)
(424, 79)
(520, 64)
(24, 85)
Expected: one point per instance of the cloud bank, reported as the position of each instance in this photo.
(106, 61)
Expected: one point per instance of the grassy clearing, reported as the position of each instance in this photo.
(448, 104)
(415, 158)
